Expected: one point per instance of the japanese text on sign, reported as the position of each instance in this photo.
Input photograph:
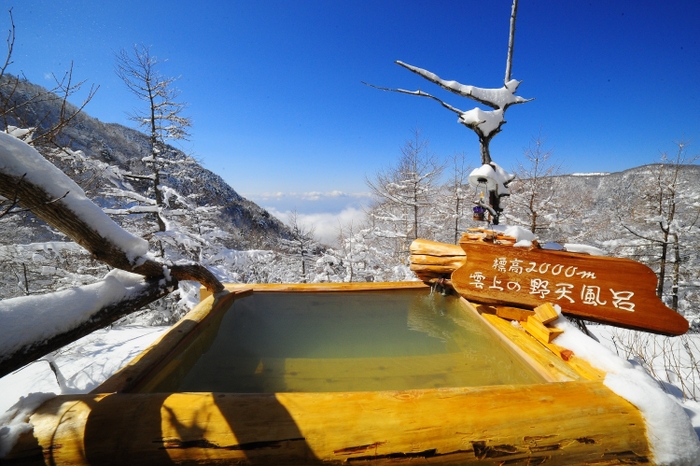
(508, 275)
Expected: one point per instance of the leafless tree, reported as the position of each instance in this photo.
(302, 243)
(537, 198)
(485, 123)
(163, 118)
(405, 193)
(665, 215)
(456, 191)
(19, 101)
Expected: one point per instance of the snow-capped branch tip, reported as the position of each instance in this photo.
(500, 98)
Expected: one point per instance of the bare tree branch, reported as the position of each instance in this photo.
(10, 44)
(418, 93)
(511, 40)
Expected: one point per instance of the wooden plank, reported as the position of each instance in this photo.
(534, 326)
(608, 290)
(505, 312)
(555, 423)
(550, 365)
(560, 363)
(302, 287)
(546, 313)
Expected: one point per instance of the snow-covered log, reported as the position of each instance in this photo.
(33, 326)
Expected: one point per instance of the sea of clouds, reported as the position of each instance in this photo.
(321, 212)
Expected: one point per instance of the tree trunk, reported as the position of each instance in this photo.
(484, 148)
(676, 272)
(662, 266)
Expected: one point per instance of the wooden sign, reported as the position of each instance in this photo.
(608, 290)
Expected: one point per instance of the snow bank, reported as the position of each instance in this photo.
(671, 436)
(84, 364)
(18, 158)
(36, 318)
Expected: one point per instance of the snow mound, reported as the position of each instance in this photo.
(670, 433)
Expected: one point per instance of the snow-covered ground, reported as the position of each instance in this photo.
(81, 366)
(86, 363)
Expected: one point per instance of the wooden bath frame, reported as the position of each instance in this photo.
(571, 419)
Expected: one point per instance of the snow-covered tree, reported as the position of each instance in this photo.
(28, 180)
(663, 214)
(453, 200)
(538, 200)
(162, 118)
(485, 123)
(405, 195)
(302, 245)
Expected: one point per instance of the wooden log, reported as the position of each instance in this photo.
(427, 247)
(557, 423)
(432, 259)
(450, 262)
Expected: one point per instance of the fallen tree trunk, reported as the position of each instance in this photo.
(22, 346)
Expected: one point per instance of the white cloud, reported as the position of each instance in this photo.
(325, 225)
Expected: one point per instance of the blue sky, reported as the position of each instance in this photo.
(274, 87)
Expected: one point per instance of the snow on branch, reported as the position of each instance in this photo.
(485, 123)
(500, 98)
(39, 185)
(42, 182)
